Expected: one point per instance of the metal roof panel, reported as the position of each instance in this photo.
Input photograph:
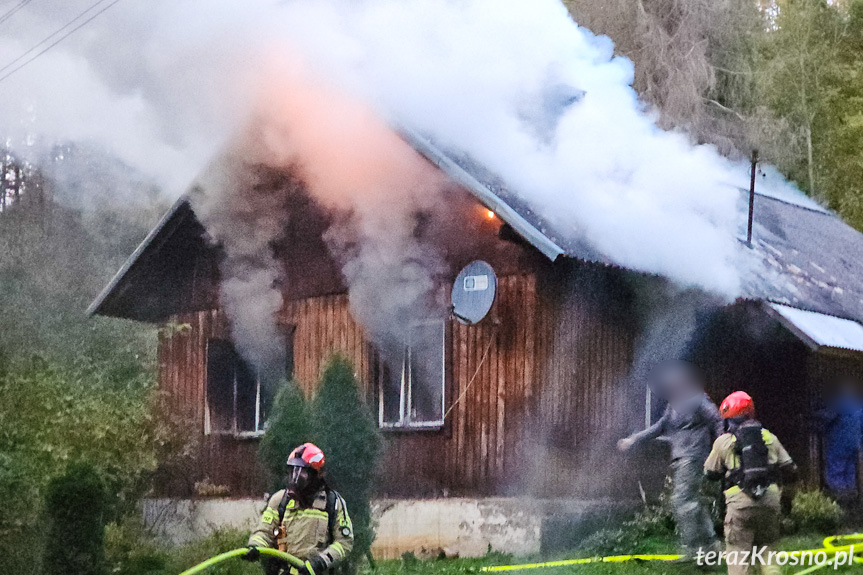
(820, 330)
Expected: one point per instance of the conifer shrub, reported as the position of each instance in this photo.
(76, 505)
(288, 427)
(345, 429)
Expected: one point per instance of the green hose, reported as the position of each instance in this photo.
(293, 561)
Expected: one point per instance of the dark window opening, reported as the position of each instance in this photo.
(237, 403)
(411, 379)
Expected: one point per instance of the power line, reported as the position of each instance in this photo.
(11, 12)
(52, 35)
(49, 37)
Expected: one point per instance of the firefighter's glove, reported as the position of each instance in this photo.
(251, 555)
(314, 566)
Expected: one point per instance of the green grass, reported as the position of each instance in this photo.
(412, 566)
(133, 556)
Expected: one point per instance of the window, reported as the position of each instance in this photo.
(237, 403)
(411, 380)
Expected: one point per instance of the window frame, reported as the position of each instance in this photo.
(405, 423)
(234, 430)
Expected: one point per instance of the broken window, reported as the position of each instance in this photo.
(237, 403)
(411, 379)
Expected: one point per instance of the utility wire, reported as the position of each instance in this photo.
(491, 339)
(11, 12)
(49, 37)
(57, 41)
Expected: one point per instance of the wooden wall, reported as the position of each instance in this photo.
(533, 390)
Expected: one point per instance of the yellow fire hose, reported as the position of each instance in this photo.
(290, 559)
(830, 549)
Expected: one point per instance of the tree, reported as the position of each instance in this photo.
(811, 76)
(344, 428)
(840, 157)
(798, 57)
(694, 61)
(76, 505)
(53, 414)
(72, 388)
(288, 427)
(57, 251)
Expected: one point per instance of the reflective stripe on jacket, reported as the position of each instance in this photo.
(304, 531)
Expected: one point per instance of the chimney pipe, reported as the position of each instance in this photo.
(751, 198)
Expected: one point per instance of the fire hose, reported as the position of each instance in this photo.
(290, 559)
(830, 549)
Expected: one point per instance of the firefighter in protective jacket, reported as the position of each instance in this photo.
(306, 519)
(753, 465)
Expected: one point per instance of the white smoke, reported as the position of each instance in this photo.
(246, 219)
(153, 83)
(165, 85)
(464, 72)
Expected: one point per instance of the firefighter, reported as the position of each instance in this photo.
(753, 465)
(690, 423)
(306, 519)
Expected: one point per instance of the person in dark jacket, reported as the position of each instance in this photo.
(691, 423)
(841, 425)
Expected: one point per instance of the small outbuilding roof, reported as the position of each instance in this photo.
(820, 331)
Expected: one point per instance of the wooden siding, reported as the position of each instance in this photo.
(217, 459)
(535, 386)
(323, 327)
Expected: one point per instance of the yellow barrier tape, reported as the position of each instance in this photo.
(583, 561)
(830, 549)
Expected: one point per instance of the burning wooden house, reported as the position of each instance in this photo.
(531, 399)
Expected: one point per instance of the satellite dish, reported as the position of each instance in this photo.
(473, 292)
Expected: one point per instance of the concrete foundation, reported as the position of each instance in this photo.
(455, 526)
(182, 521)
(463, 527)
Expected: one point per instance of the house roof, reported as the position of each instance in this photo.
(810, 258)
(492, 192)
(168, 261)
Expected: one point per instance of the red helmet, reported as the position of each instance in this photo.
(737, 404)
(307, 455)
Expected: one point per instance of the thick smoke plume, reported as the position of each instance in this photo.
(311, 86)
(246, 218)
(355, 166)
